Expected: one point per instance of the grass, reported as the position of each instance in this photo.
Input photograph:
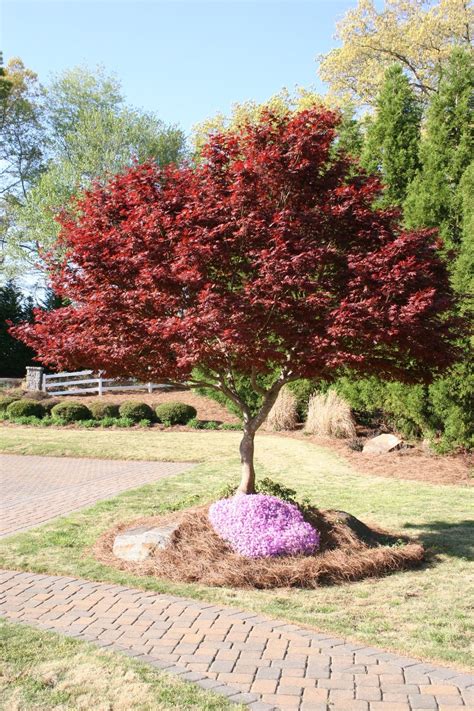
(424, 613)
(41, 670)
(116, 444)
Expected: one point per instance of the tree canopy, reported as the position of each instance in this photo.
(267, 259)
(446, 150)
(83, 131)
(392, 142)
(14, 308)
(418, 34)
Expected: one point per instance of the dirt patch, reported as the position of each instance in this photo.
(411, 463)
(349, 550)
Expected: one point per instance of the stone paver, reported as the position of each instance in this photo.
(263, 663)
(36, 489)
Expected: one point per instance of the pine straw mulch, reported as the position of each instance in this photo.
(349, 551)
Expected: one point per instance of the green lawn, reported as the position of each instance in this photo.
(41, 670)
(424, 613)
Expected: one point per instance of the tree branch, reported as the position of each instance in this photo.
(256, 387)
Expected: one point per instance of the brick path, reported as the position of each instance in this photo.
(37, 489)
(253, 660)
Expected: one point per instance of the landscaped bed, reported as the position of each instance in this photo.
(422, 612)
(348, 550)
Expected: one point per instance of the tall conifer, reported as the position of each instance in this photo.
(392, 141)
(434, 197)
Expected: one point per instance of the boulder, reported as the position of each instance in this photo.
(137, 544)
(382, 444)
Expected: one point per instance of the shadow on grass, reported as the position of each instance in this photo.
(453, 539)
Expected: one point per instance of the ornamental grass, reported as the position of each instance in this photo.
(329, 415)
(284, 413)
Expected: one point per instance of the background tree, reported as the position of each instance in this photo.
(434, 198)
(5, 85)
(440, 196)
(14, 355)
(89, 134)
(392, 142)
(21, 142)
(265, 261)
(418, 34)
(283, 103)
(463, 271)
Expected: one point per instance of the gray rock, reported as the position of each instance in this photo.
(137, 544)
(382, 444)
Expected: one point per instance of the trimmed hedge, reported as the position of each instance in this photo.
(71, 411)
(25, 408)
(175, 413)
(49, 404)
(136, 411)
(100, 410)
(6, 401)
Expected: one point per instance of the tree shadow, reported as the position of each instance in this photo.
(453, 539)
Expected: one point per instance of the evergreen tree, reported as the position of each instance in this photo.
(392, 142)
(463, 271)
(14, 355)
(434, 197)
(350, 135)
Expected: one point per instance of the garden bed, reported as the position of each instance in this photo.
(349, 550)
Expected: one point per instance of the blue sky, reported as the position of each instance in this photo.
(184, 59)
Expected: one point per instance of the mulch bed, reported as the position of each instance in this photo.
(349, 551)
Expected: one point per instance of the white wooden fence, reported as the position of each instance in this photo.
(69, 382)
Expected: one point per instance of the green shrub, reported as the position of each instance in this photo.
(136, 411)
(452, 404)
(144, 423)
(49, 404)
(203, 424)
(230, 426)
(302, 390)
(88, 424)
(71, 412)
(27, 420)
(47, 421)
(124, 422)
(100, 410)
(25, 408)
(6, 401)
(441, 411)
(175, 413)
(108, 421)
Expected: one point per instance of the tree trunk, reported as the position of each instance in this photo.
(247, 483)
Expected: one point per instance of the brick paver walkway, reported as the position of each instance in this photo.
(36, 489)
(261, 662)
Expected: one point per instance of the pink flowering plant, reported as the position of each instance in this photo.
(260, 526)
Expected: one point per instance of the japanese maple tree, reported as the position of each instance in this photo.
(265, 259)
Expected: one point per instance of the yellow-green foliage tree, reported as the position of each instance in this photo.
(418, 34)
(349, 131)
(242, 113)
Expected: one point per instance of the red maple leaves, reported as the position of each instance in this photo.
(267, 255)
